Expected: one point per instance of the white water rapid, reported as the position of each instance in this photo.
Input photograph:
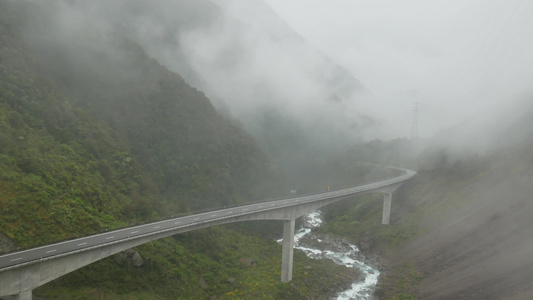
(342, 253)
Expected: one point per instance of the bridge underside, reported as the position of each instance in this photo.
(19, 282)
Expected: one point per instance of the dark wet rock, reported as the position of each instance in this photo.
(136, 260)
(130, 257)
(366, 243)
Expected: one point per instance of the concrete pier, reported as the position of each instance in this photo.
(24, 295)
(288, 250)
(386, 208)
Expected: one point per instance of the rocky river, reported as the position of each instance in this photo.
(341, 252)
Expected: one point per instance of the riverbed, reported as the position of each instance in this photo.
(341, 252)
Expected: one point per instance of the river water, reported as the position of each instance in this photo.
(339, 251)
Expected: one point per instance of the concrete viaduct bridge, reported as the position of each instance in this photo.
(23, 271)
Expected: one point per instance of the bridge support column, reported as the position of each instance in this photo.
(386, 208)
(24, 295)
(288, 250)
(29, 279)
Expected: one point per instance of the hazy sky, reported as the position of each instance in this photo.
(457, 58)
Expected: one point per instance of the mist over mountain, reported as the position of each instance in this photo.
(248, 61)
(96, 134)
(473, 200)
(89, 108)
(119, 112)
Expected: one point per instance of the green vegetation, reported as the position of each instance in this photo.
(84, 148)
(225, 262)
(359, 220)
(52, 187)
(96, 135)
(400, 284)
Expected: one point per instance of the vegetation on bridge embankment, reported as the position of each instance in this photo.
(227, 263)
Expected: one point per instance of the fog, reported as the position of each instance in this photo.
(326, 75)
(311, 78)
(295, 100)
(459, 59)
(253, 66)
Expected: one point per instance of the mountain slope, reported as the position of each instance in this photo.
(472, 208)
(477, 244)
(95, 135)
(92, 126)
(252, 68)
(460, 229)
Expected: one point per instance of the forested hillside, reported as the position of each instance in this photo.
(96, 135)
(299, 104)
(94, 128)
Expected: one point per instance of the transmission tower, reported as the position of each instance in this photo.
(414, 128)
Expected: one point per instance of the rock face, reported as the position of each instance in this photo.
(249, 262)
(366, 243)
(136, 259)
(130, 257)
(6, 244)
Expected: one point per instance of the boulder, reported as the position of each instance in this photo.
(136, 260)
(249, 262)
(130, 257)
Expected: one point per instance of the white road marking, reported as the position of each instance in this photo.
(230, 212)
(213, 215)
(82, 244)
(109, 237)
(133, 232)
(177, 223)
(155, 227)
(196, 219)
(15, 259)
(50, 251)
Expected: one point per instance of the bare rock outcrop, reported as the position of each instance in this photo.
(6, 244)
(130, 257)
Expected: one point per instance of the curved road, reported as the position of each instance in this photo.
(17, 259)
